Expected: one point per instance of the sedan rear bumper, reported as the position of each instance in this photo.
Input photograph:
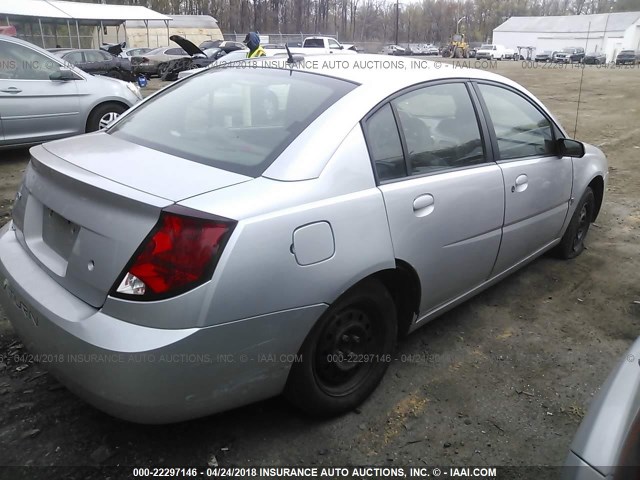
(143, 374)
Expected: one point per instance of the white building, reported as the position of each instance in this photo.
(196, 28)
(608, 32)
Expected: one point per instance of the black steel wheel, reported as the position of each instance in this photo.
(163, 68)
(345, 355)
(572, 243)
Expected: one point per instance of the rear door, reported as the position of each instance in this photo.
(34, 108)
(96, 62)
(443, 194)
(537, 182)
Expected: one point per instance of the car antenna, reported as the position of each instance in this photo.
(290, 60)
(575, 127)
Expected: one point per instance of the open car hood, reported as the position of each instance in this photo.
(186, 45)
(114, 49)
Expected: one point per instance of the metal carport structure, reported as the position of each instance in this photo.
(58, 12)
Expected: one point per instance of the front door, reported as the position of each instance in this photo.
(537, 182)
(443, 194)
(34, 108)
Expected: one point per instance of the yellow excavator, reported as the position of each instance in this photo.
(457, 48)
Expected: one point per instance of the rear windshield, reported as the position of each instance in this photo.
(237, 119)
(314, 43)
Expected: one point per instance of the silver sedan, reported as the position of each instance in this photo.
(211, 248)
(607, 444)
(43, 98)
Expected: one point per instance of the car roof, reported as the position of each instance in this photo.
(377, 82)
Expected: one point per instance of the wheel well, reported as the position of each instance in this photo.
(115, 102)
(403, 284)
(597, 185)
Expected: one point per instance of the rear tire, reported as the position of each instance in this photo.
(347, 352)
(162, 69)
(115, 74)
(103, 114)
(572, 243)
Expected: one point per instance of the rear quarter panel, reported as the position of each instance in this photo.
(258, 273)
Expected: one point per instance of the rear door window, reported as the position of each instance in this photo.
(385, 148)
(236, 119)
(440, 128)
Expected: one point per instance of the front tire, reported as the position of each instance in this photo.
(347, 352)
(572, 243)
(104, 114)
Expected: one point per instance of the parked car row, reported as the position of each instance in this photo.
(578, 55)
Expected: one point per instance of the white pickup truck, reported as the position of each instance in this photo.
(494, 52)
(323, 45)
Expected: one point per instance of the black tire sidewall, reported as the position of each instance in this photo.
(565, 248)
(302, 388)
(93, 123)
(162, 69)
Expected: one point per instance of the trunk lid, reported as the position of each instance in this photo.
(82, 212)
(142, 168)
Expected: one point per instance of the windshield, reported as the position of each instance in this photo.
(486, 47)
(567, 50)
(157, 51)
(237, 119)
(627, 52)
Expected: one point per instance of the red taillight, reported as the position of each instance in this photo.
(179, 254)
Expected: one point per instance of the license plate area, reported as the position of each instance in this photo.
(58, 233)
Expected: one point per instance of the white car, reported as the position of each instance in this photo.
(393, 50)
(493, 52)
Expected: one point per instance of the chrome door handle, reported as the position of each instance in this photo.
(423, 205)
(11, 90)
(522, 182)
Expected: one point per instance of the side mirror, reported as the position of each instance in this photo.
(63, 75)
(341, 47)
(570, 148)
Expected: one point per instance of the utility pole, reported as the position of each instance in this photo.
(458, 25)
(397, 19)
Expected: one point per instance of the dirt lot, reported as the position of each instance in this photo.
(502, 380)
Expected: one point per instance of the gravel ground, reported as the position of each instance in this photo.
(504, 379)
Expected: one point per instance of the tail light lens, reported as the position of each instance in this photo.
(179, 254)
